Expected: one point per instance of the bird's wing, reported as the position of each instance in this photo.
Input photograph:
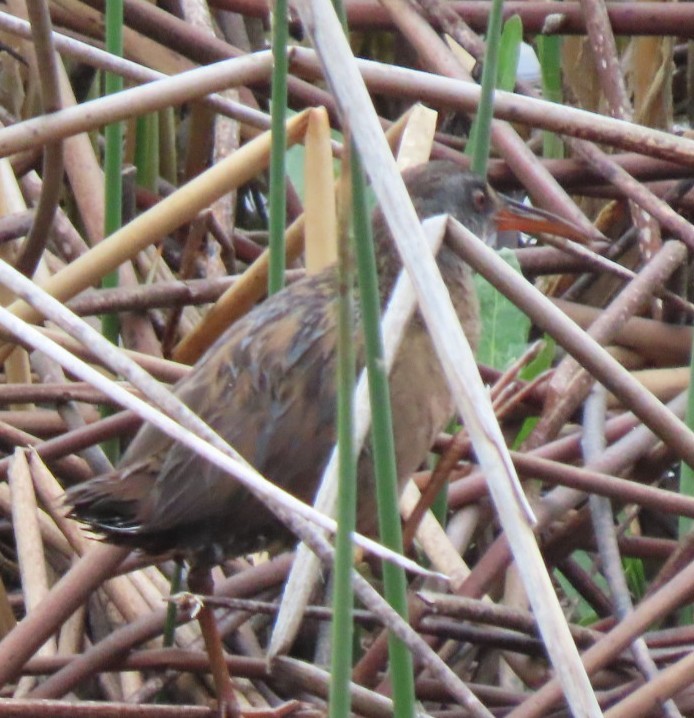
(267, 387)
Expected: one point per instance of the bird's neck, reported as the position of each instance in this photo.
(457, 276)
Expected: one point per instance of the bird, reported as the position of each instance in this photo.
(267, 386)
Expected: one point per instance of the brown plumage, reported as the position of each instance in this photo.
(268, 387)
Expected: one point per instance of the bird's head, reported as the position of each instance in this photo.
(443, 187)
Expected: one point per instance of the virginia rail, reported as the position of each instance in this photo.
(268, 387)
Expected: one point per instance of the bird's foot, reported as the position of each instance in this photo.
(187, 602)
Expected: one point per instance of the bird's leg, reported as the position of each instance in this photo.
(200, 582)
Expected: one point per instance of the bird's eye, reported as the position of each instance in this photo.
(479, 200)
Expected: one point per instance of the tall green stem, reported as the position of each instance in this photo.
(343, 596)
(278, 201)
(480, 138)
(113, 188)
(383, 445)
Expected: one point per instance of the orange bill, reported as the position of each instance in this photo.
(522, 218)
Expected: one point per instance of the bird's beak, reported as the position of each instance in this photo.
(515, 216)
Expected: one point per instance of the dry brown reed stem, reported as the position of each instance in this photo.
(71, 467)
(154, 96)
(130, 603)
(30, 549)
(570, 383)
(588, 352)
(202, 49)
(254, 119)
(157, 658)
(564, 450)
(50, 493)
(50, 535)
(237, 299)
(656, 341)
(45, 69)
(464, 96)
(533, 261)
(613, 84)
(437, 57)
(86, 575)
(671, 596)
(70, 591)
(648, 18)
(164, 217)
(553, 505)
(601, 513)
(58, 450)
(51, 393)
(575, 176)
(29, 708)
(638, 193)
(602, 484)
(70, 411)
(163, 369)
